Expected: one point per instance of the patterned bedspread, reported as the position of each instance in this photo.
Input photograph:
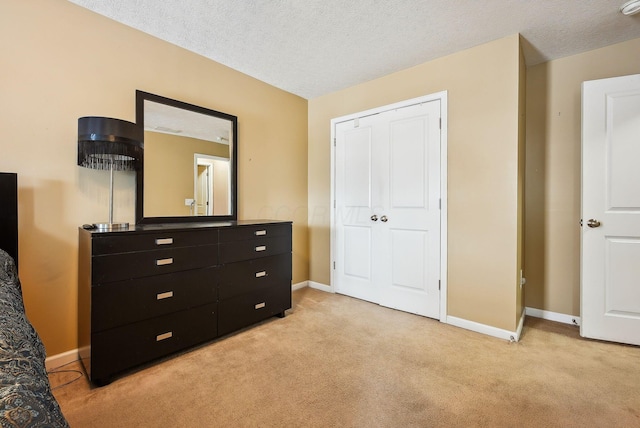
(25, 393)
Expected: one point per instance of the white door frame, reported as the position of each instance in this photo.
(442, 96)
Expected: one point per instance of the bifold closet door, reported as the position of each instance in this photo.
(387, 209)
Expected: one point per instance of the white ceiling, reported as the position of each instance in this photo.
(314, 47)
(167, 119)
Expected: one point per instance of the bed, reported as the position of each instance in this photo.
(25, 393)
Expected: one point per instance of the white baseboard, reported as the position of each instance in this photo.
(512, 336)
(299, 285)
(311, 284)
(59, 360)
(553, 316)
(321, 287)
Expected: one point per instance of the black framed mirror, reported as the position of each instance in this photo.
(189, 169)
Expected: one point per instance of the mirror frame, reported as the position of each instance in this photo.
(141, 97)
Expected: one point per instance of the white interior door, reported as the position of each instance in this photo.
(387, 178)
(355, 201)
(610, 247)
(202, 189)
(410, 212)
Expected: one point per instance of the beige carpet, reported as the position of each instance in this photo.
(335, 361)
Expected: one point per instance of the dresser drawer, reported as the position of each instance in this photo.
(121, 266)
(247, 232)
(254, 275)
(254, 248)
(124, 347)
(247, 309)
(123, 302)
(155, 240)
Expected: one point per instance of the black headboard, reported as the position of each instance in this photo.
(9, 213)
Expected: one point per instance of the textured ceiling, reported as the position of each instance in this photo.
(314, 47)
(179, 121)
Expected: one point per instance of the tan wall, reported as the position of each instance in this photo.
(168, 164)
(522, 88)
(482, 85)
(552, 231)
(61, 62)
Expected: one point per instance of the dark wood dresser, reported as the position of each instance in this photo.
(152, 290)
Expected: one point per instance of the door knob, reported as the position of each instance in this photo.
(384, 219)
(374, 218)
(593, 223)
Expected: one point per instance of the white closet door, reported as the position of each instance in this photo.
(387, 181)
(354, 210)
(410, 247)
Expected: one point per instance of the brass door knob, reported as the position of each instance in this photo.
(593, 223)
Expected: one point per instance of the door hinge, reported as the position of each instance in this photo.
(440, 123)
(334, 203)
(334, 142)
(439, 284)
(440, 203)
(334, 265)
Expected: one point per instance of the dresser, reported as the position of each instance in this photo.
(153, 290)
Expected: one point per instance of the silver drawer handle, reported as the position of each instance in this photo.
(163, 262)
(164, 336)
(166, 295)
(261, 248)
(261, 274)
(261, 305)
(260, 232)
(164, 241)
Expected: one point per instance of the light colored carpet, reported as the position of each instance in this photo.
(335, 361)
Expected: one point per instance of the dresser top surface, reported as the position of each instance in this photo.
(187, 226)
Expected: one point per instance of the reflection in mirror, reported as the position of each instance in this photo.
(189, 169)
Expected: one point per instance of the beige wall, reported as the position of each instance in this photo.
(221, 186)
(483, 96)
(522, 95)
(552, 231)
(61, 62)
